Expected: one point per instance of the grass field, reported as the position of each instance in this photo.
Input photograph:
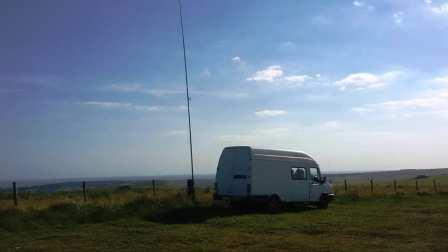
(135, 220)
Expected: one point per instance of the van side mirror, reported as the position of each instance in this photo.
(323, 180)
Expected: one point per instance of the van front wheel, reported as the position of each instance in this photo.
(323, 202)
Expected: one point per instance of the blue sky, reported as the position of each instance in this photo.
(95, 88)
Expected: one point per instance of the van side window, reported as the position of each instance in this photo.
(314, 174)
(298, 173)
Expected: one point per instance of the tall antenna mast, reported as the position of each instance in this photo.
(190, 184)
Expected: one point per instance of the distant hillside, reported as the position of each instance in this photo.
(386, 175)
(204, 180)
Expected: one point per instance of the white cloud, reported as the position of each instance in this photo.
(289, 45)
(126, 106)
(440, 80)
(360, 81)
(109, 105)
(236, 59)
(270, 113)
(260, 136)
(221, 94)
(140, 88)
(146, 108)
(441, 9)
(398, 17)
(431, 103)
(298, 78)
(206, 73)
(270, 74)
(275, 74)
(176, 133)
(362, 4)
(358, 3)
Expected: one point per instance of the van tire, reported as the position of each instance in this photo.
(323, 202)
(274, 204)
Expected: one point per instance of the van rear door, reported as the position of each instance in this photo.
(233, 171)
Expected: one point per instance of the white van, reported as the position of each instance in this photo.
(271, 176)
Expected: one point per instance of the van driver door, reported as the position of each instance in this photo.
(315, 185)
(300, 184)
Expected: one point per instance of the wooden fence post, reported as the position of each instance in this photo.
(154, 187)
(416, 186)
(345, 185)
(434, 185)
(395, 186)
(371, 186)
(14, 193)
(84, 194)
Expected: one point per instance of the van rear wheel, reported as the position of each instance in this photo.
(274, 204)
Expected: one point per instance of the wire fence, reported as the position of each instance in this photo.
(402, 187)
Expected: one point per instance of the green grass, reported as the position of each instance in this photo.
(169, 221)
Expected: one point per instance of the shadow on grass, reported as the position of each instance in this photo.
(200, 214)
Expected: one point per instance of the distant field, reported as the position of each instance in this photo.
(132, 219)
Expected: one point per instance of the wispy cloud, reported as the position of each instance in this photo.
(256, 136)
(434, 102)
(268, 74)
(140, 88)
(236, 59)
(206, 73)
(360, 81)
(275, 74)
(109, 105)
(398, 17)
(270, 113)
(438, 9)
(124, 106)
(176, 133)
(440, 80)
(363, 4)
(298, 78)
(358, 3)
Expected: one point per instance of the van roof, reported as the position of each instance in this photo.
(272, 153)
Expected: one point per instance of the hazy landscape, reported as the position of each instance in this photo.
(224, 125)
(130, 216)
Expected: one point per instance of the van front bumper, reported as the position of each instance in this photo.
(331, 197)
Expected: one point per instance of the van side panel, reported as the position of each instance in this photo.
(273, 176)
(233, 175)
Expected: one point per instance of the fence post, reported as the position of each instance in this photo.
(14, 193)
(395, 186)
(154, 187)
(434, 185)
(416, 186)
(84, 194)
(371, 186)
(345, 185)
